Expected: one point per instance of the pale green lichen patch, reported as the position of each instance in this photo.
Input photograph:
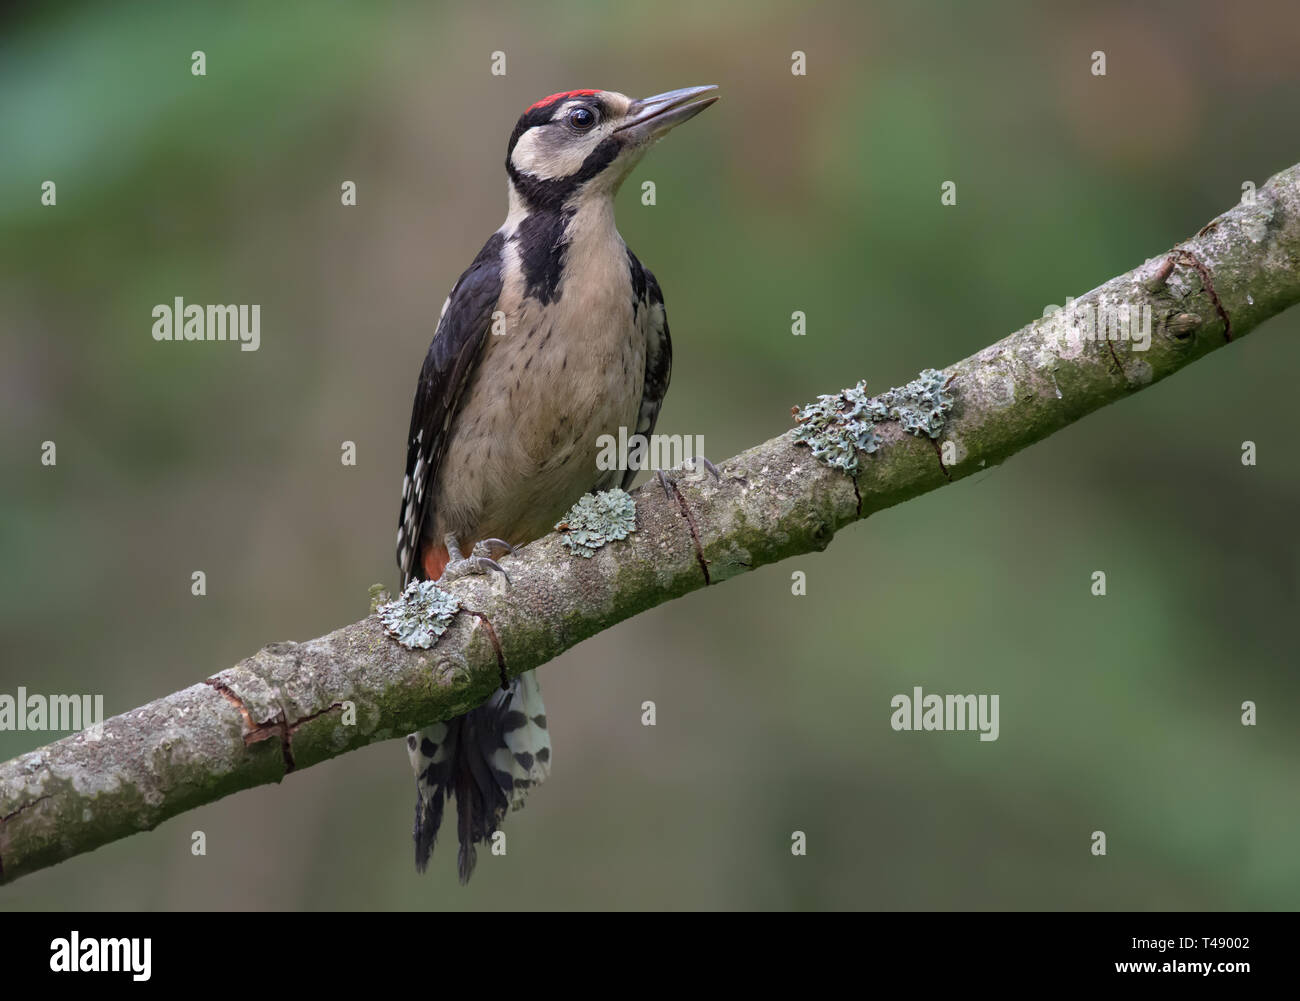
(839, 426)
(597, 519)
(419, 615)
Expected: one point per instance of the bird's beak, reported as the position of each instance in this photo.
(652, 117)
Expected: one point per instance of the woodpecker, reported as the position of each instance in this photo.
(555, 335)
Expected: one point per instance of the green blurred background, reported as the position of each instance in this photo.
(817, 193)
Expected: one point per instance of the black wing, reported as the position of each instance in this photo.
(658, 353)
(453, 356)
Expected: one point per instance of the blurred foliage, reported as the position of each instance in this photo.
(816, 193)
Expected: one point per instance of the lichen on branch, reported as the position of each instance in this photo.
(596, 519)
(839, 425)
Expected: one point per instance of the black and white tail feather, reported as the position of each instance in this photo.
(487, 759)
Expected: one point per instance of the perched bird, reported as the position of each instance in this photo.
(554, 336)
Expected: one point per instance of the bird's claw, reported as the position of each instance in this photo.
(479, 561)
(471, 565)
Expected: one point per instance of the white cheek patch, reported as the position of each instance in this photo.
(551, 151)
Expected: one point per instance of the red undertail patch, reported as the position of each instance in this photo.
(434, 561)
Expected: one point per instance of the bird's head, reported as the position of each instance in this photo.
(588, 141)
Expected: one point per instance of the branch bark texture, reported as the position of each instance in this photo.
(292, 705)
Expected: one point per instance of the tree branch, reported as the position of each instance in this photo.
(292, 705)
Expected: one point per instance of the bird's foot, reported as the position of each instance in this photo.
(700, 460)
(479, 561)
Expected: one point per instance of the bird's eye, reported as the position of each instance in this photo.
(582, 119)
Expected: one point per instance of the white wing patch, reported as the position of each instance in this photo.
(412, 504)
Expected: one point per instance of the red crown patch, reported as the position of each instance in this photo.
(559, 97)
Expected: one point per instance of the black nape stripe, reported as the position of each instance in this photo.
(550, 195)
